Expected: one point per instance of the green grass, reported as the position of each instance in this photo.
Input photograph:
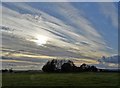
(60, 79)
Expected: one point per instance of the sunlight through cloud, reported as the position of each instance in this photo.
(41, 40)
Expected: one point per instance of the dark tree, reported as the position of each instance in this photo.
(93, 68)
(66, 66)
(49, 66)
(10, 70)
(4, 70)
(85, 67)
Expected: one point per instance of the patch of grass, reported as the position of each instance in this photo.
(61, 79)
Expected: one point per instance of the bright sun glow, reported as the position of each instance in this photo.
(41, 40)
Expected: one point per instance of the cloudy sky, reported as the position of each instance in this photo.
(33, 33)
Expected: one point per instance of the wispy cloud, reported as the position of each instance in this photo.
(111, 12)
(74, 36)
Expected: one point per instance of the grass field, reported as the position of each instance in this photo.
(61, 79)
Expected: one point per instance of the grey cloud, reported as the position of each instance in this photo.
(65, 40)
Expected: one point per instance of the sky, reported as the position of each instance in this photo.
(35, 32)
(60, 0)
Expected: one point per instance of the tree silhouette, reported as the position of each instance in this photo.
(10, 70)
(4, 70)
(66, 66)
(93, 68)
(49, 66)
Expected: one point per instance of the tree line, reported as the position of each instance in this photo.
(67, 66)
(7, 70)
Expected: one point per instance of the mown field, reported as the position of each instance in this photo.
(85, 79)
